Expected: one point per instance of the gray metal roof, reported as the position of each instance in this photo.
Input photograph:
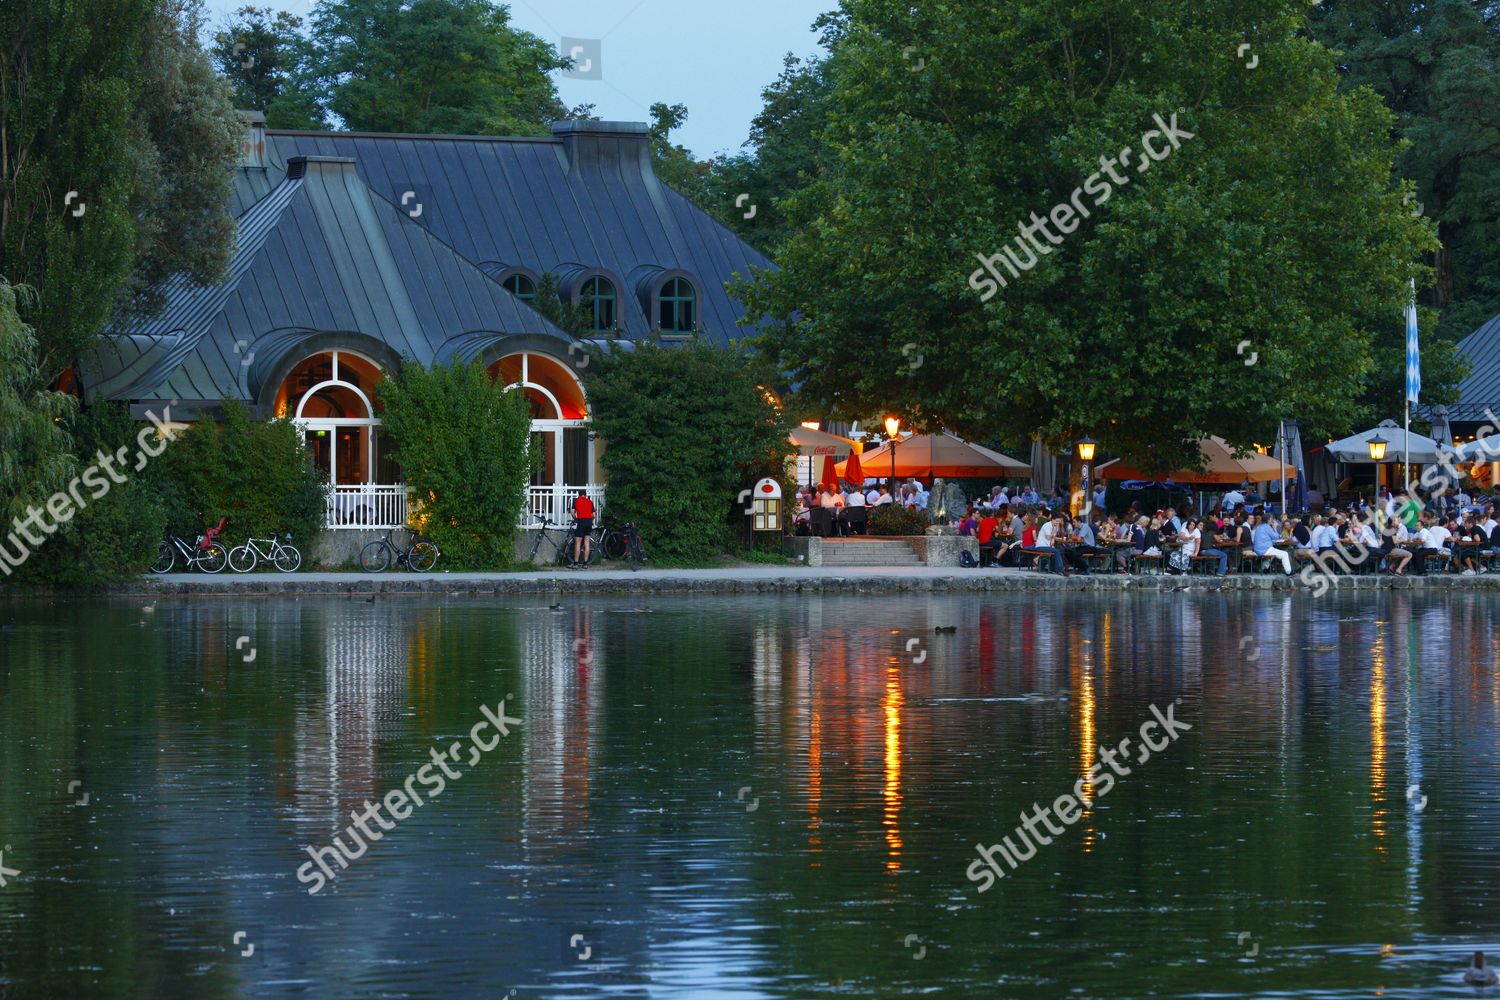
(1481, 389)
(584, 200)
(328, 247)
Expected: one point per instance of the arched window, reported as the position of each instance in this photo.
(521, 286)
(677, 306)
(329, 396)
(599, 298)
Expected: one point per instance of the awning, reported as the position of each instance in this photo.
(1220, 466)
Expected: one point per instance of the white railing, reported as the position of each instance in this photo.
(555, 503)
(367, 505)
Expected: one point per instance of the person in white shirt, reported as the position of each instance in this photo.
(924, 497)
(856, 499)
(830, 499)
(1045, 543)
(885, 497)
(1324, 536)
(872, 496)
(1399, 553)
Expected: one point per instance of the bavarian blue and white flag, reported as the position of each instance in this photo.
(1413, 351)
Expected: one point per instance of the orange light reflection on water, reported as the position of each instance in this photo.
(891, 704)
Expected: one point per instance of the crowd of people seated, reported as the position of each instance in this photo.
(1404, 534)
(1401, 533)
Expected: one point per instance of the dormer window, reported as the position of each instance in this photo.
(599, 298)
(677, 307)
(522, 286)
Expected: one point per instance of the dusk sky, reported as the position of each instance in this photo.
(713, 57)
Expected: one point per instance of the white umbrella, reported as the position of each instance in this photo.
(1356, 448)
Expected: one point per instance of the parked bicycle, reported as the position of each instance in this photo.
(609, 542)
(277, 550)
(562, 552)
(416, 554)
(204, 552)
(635, 548)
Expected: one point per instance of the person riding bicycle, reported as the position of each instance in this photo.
(583, 524)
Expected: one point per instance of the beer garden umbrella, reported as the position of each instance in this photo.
(927, 456)
(853, 473)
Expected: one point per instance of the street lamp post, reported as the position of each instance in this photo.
(1377, 445)
(1086, 455)
(892, 428)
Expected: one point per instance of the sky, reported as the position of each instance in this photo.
(711, 55)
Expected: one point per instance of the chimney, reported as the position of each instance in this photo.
(594, 144)
(253, 149)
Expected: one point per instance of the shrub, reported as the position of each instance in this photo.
(256, 473)
(686, 428)
(462, 441)
(115, 536)
(894, 519)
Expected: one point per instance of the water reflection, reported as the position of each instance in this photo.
(754, 797)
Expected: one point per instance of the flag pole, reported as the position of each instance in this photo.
(1407, 481)
(1281, 450)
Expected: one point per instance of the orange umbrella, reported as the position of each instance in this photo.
(929, 455)
(852, 471)
(830, 477)
(1221, 466)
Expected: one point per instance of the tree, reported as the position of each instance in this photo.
(1213, 288)
(270, 63)
(446, 66)
(1435, 64)
(34, 459)
(686, 428)
(188, 142)
(786, 150)
(675, 164)
(462, 442)
(114, 163)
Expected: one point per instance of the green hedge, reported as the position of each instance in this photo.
(685, 429)
(256, 473)
(463, 443)
(894, 519)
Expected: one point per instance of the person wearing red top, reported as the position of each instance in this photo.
(583, 524)
(987, 533)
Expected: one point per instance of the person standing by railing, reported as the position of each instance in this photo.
(583, 517)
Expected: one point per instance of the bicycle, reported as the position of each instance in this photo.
(285, 557)
(635, 548)
(562, 552)
(419, 555)
(609, 542)
(204, 552)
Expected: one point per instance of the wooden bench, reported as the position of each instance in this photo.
(1149, 565)
(1209, 565)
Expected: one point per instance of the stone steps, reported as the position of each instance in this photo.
(868, 552)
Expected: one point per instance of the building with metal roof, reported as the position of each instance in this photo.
(1479, 392)
(359, 252)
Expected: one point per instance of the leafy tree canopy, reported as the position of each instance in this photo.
(1271, 226)
(117, 144)
(446, 66)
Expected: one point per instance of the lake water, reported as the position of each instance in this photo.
(748, 797)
